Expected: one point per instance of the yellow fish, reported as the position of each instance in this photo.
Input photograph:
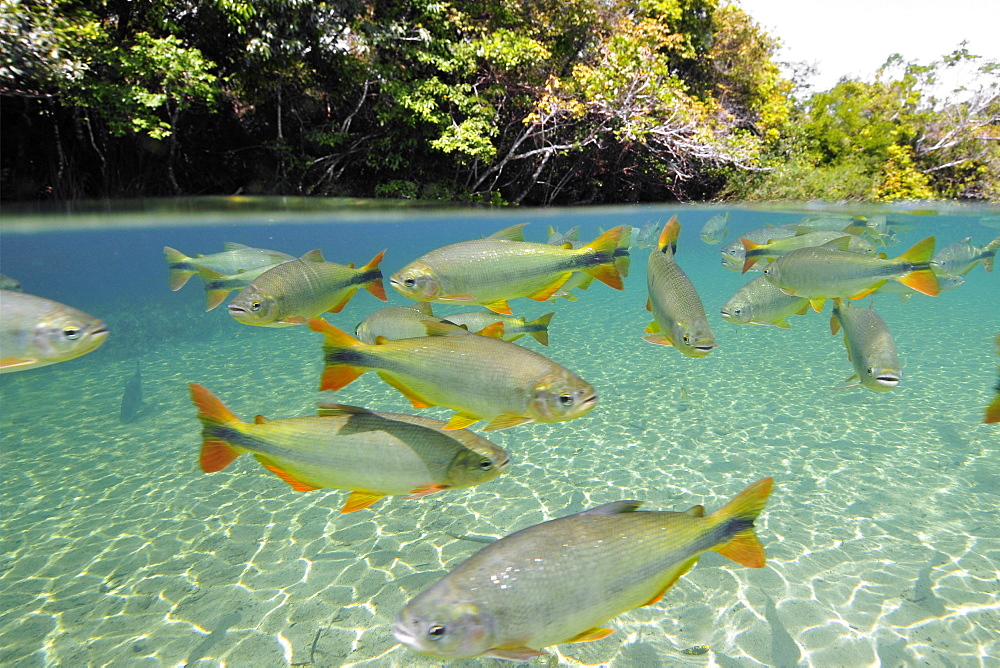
(870, 346)
(37, 332)
(511, 327)
(819, 273)
(493, 270)
(372, 454)
(294, 291)
(480, 377)
(678, 314)
(559, 581)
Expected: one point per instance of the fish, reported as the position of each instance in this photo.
(559, 581)
(734, 253)
(678, 314)
(369, 453)
(481, 378)
(234, 259)
(646, 236)
(512, 329)
(778, 247)
(715, 228)
(945, 283)
(870, 347)
(759, 302)
(8, 283)
(132, 396)
(820, 273)
(37, 332)
(992, 413)
(959, 258)
(294, 291)
(403, 322)
(571, 237)
(218, 285)
(492, 271)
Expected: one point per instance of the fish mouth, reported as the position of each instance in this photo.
(402, 635)
(233, 310)
(887, 379)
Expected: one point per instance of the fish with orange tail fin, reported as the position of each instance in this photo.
(561, 580)
(294, 291)
(820, 273)
(372, 454)
(482, 378)
(493, 270)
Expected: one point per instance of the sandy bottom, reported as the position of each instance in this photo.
(881, 535)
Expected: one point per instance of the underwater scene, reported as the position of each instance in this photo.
(808, 498)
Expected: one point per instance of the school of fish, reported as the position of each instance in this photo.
(561, 580)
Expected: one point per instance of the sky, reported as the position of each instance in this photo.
(854, 37)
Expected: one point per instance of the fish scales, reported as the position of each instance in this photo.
(870, 346)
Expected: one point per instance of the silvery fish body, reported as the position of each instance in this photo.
(678, 315)
(218, 286)
(294, 291)
(482, 378)
(235, 259)
(513, 327)
(558, 581)
(870, 346)
(715, 228)
(402, 322)
(37, 332)
(734, 254)
(778, 247)
(958, 258)
(759, 302)
(371, 453)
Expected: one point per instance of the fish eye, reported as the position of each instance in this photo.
(436, 632)
(255, 306)
(566, 399)
(409, 281)
(486, 464)
(72, 333)
(737, 311)
(687, 338)
(871, 371)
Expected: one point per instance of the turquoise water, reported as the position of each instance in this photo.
(881, 534)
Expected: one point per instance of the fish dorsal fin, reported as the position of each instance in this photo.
(696, 511)
(442, 328)
(840, 243)
(613, 508)
(330, 410)
(315, 255)
(233, 246)
(512, 233)
(381, 340)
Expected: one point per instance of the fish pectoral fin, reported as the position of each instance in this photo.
(550, 289)
(296, 484)
(499, 306)
(649, 304)
(515, 653)
(595, 633)
(653, 328)
(339, 306)
(415, 399)
(505, 421)
(783, 324)
(744, 549)
(817, 303)
(868, 291)
(461, 421)
(658, 339)
(294, 320)
(427, 489)
(360, 501)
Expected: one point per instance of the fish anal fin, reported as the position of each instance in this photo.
(550, 289)
(817, 303)
(505, 421)
(359, 501)
(415, 399)
(297, 485)
(675, 575)
(595, 633)
(427, 489)
(339, 306)
(461, 421)
(783, 324)
(499, 306)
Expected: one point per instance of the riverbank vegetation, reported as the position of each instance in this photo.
(489, 101)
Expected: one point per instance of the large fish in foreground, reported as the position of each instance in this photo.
(822, 273)
(559, 581)
(494, 270)
(678, 314)
(235, 259)
(482, 378)
(294, 291)
(372, 454)
(37, 332)
(870, 346)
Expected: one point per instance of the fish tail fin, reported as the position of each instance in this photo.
(178, 276)
(216, 452)
(375, 286)
(749, 260)
(993, 411)
(920, 253)
(214, 295)
(542, 333)
(337, 351)
(615, 268)
(743, 546)
(923, 280)
(668, 237)
(989, 254)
